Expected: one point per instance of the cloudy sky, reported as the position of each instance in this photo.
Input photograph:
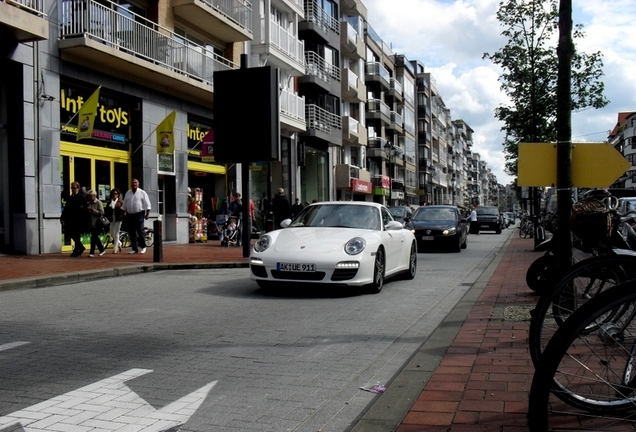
(450, 36)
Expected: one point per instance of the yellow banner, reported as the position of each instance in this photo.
(86, 116)
(165, 135)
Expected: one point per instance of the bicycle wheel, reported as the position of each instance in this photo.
(124, 239)
(149, 237)
(580, 283)
(591, 373)
(541, 273)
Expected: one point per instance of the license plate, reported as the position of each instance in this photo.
(289, 267)
(427, 237)
(485, 226)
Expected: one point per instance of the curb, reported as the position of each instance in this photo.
(88, 275)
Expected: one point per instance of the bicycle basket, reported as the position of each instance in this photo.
(591, 220)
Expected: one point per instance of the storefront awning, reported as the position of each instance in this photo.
(206, 167)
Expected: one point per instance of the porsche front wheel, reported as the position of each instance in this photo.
(378, 273)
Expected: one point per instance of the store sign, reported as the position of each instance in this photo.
(200, 141)
(165, 163)
(112, 117)
(361, 186)
(380, 191)
(386, 182)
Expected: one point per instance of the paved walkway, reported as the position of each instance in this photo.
(480, 382)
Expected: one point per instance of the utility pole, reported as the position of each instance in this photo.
(565, 52)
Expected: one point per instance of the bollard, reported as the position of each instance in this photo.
(157, 251)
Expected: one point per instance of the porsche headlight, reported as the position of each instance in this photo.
(449, 231)
(263, 243)
(355, 246)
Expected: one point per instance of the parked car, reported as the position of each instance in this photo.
(511, 217)
(488, 219)
(336, 243)
(440, 225)
(401, 213)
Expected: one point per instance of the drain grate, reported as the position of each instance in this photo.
(514, 313)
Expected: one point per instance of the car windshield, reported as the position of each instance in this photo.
(434, 214)
(339, 215)
(397, 212)
(488, 211)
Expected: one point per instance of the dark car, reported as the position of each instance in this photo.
(441, 225)
(401, 213)
(488, 219)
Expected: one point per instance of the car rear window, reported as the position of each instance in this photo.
(488, 211)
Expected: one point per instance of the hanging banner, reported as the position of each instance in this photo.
(207, 147)
(165, 135)
(86, 116)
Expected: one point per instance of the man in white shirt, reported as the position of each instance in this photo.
(136, 208)
(474, 228)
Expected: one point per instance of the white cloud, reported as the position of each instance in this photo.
(450, 37)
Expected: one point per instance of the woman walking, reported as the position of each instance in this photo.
(115, 215)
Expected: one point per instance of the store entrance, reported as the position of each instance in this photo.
(94, 168)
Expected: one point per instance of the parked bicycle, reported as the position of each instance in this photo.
(587, 374)
(526, 227)
(124, 238)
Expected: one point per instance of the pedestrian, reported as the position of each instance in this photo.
(474, 228)
(236, 205)
(74, 218)
(252, 211)
(280, 208)
(264, 209)
(115, 215)
(296, 208)
(136, 208)
(95, 211)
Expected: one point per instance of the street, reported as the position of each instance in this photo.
(207, 350)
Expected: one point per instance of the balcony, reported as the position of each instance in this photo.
(320, 21)
(353, 88)
(354, 7)
(319, 72)
(378, 110)
(323, 124)
(396, 89)
(292, 111)
(351, 42)
(95, 36)
(24, 20)
(227, 20)
(375, 72)
(345, 173)
(376, 148)
(353, 132)
(283, 49)
(397, 122)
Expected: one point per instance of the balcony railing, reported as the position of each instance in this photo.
(375, 105)
(286, 42)
(396, 86)
(322, 120)
(34, 6)
(377, 142)
(397, 118)
(239, 11)
(317, 15)
(375, 68)
(317, 66)
(133, 34)
(292, 105)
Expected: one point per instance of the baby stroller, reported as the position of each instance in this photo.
(231, 232)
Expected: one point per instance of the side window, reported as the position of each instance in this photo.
(386, 216)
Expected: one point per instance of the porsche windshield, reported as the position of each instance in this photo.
(338, 215)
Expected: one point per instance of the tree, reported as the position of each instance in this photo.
(530, 67)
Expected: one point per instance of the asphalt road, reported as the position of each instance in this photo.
(206, 350)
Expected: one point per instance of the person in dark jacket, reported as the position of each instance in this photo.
(280, 208)
(296, 208)
(75, 218)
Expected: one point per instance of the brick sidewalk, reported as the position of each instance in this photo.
(483, 381)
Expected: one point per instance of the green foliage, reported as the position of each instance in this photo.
(529, 64)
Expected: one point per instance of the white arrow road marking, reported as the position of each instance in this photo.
(12, 345)
(105, 406)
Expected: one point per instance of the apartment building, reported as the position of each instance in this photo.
(623, 138)
(352, 178)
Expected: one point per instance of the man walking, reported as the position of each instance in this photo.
(474, 228)
(136, 208)
(75, 218)
(280, 208)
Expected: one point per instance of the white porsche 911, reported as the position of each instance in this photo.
(340, 243)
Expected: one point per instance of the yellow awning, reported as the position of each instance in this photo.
(206, 167)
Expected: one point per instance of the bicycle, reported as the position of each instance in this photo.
(587, 374)
(124, 238)
(581, 282)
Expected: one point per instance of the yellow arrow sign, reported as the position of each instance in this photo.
(594, 165)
